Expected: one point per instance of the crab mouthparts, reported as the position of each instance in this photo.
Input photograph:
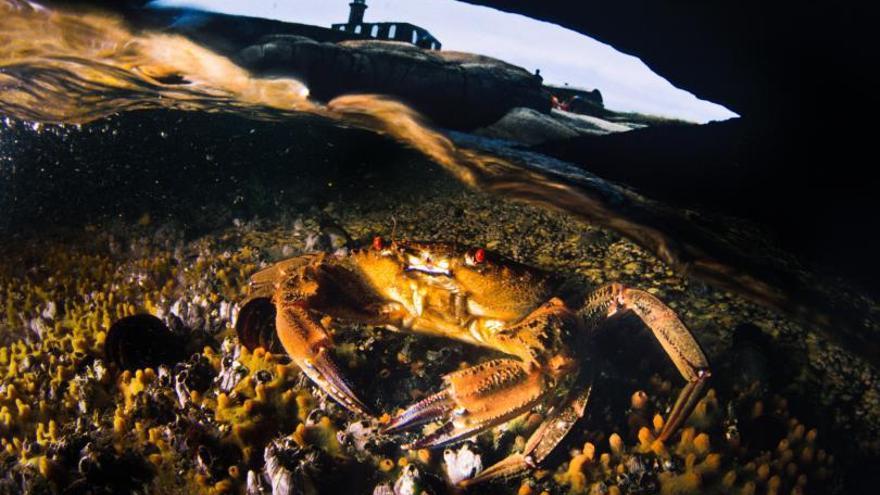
(430, 270)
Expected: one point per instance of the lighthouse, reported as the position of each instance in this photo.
(356, 16)
(389, 31)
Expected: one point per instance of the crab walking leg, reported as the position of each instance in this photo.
(677, 341)
(307, 343)
(491, 393)
(545, 438)
(265, 282)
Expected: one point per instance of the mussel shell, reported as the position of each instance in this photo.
(255, 326)
(141, 341)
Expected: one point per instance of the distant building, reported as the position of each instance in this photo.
(393, 31)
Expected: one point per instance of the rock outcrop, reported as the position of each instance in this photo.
(453, 89)
(531, 127)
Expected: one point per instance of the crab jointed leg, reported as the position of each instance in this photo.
(560, 419)
(475, 399)
(674, 337)
(491, 393)
(307, 343)
(299, 328)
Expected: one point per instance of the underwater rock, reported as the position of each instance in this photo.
(531, 127)
(763, 431)
(141, 341)
(217, 436)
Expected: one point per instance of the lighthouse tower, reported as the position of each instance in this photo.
(356, 16)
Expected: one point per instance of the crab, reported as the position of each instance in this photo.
(475, 296)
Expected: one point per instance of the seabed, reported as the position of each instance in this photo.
(217, 418)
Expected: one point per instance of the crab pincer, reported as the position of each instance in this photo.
(290, 289)
(474, 399)
(307, 343)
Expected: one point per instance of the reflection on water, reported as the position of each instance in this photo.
(73, 67)
(66, 67)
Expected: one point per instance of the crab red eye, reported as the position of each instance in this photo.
(377, 243)
(480, 255)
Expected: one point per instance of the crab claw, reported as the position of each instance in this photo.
(474, 400)
(424, 411)
(508, 467)
(308, 345)
(324, 372)
(545, 438)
